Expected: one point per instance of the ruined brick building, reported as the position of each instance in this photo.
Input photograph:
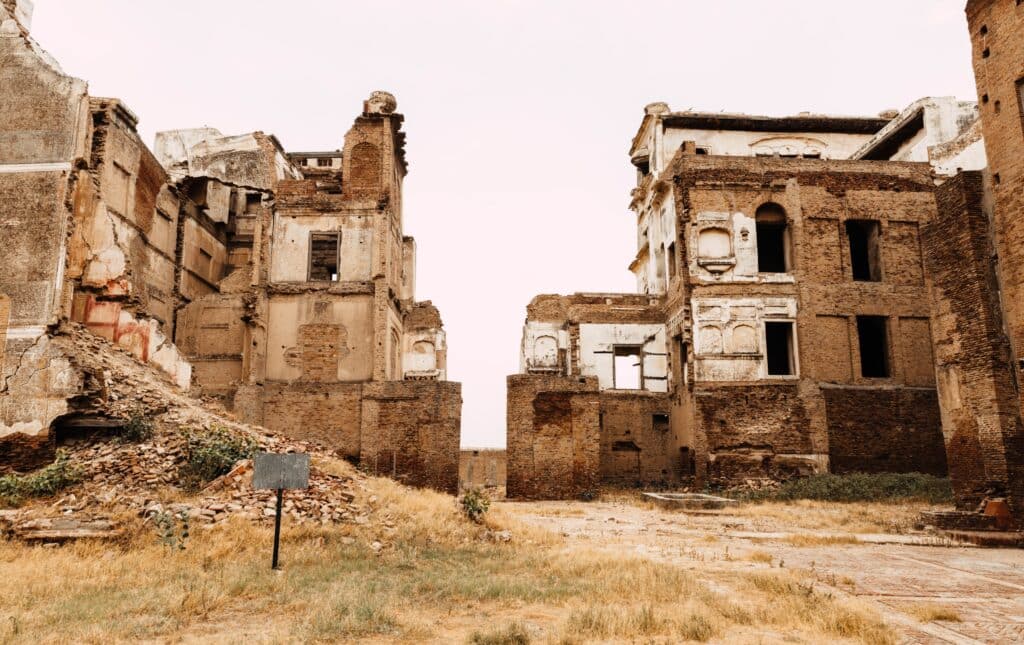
(782, 325)
(975, 251)
(282, 284)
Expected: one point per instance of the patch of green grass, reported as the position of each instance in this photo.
(858, 487)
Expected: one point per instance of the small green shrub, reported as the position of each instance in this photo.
(172, 529)
(211, 453)
(139, 428)
(859, 487)
(511, 634)
(474, 504)
(46, 482)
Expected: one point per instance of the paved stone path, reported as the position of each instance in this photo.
(984, 586)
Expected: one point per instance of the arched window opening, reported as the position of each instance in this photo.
(773, 248)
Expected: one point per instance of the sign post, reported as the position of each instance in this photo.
(277, 472)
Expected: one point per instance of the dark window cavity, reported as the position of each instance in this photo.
(865, 249)
(874, 346)
(773, 255)
(323, 257)
(779, 343)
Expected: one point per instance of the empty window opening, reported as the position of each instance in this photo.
(252, 203)
(627, 371)
(773, 255)
(779, 343)
(324, 162)
(812, 155)
(625, 446)
(703, 151)
(1020, 100)
(865, 255)
(660, 422)
(323, 257)
(671, 261)
(874, 346)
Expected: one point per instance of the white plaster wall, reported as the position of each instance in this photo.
(416, 361)
(290, 255)
(728, 336)
(831, 145)
(596, 352)
(287, 313)
(741, 265)
(970, 158)
(532, 358)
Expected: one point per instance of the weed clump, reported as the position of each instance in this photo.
(139, 428)
(858, 487)
(512, 634)
(172, 529)
(48, 481)
(212, 452)
(474, 504)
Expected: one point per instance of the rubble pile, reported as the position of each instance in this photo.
(143, 477)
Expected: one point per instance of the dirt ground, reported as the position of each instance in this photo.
(898, 573)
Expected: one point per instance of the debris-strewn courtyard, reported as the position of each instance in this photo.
(415, 569)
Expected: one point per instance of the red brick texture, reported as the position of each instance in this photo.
(977, 388)
(553, 437)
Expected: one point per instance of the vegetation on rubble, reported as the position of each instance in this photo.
(474, 504)
(138, 428)
(172, 529)
(212, 452)
(49, 480)
(858, 487)
(418, 570)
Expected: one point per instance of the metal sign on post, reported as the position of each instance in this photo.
(278, 472)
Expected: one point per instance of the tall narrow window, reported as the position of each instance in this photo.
(874, 346)
(627, 372)
(323, 257)
(671, 261)
(779, 345)
(1020, 100)
(865, 251)
(773, 255)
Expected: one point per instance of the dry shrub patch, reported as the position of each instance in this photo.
(433, 564)
(927, 612)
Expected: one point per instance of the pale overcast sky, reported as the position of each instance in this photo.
(519, 113)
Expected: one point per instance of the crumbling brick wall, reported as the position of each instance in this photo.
(553, 441)
(637, 446)
(991, 456)
(977, 389)
(411, 432)
(755, 431)
(753, 425)
(884, 431)
(482, 468)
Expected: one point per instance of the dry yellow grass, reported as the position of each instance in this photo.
(760, 556)
(803, 539)
(927, 612)
(861, 517)
(437, 578)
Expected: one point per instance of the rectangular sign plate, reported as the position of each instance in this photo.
(276, 471)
